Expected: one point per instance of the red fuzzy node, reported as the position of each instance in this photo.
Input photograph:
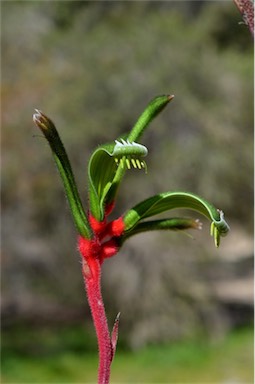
(88, 248)
(116, 227)
(109, 249)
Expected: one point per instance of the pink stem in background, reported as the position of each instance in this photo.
(246, 8)
(92, 278)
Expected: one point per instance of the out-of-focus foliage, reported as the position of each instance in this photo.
(92, 67)
(187, 361)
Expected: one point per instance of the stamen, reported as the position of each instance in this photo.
(138, 164)
(122, 163)
(128, 163)
(133, 163)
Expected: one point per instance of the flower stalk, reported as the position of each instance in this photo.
(100, 238)
(93, 289)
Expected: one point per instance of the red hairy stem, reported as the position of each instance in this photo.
(93, 254)
(93, 288)
(94, 251)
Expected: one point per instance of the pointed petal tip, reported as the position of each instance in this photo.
(37, 116)
(38, 112)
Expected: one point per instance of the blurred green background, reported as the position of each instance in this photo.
(186, 307)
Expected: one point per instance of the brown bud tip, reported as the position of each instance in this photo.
(42, 121)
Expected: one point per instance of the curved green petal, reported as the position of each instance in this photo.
(173, 224)
(171, 200)
(101, 171)
(104, 175)
(106, 168)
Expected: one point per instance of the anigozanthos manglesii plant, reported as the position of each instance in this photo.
(100, 238)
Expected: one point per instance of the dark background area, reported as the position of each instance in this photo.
(92, 67)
